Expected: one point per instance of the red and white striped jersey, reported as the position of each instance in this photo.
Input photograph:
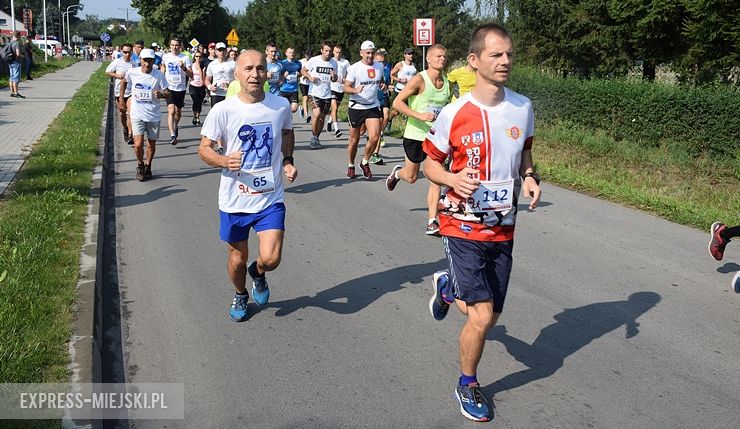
(491, 140)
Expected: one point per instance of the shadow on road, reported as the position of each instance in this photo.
(728, 267)
(354, 295)
(305, 188)
(575, 328)
(153, 195)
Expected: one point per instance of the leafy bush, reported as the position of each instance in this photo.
(700, 121)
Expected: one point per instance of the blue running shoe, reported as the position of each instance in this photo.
(736, 282)
(260, 291)
(438, 306)
(238, 312)
(473, 404)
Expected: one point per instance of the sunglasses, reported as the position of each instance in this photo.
(125, 52)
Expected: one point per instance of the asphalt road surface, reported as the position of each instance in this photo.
(614, 318)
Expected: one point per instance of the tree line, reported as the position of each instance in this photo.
(698, 39)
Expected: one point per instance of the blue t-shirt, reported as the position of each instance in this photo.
(294, 72)
(277, 72)
(387, 79)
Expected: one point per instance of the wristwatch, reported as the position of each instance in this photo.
(534, 175)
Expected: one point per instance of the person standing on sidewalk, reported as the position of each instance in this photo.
(256, 131)
(147, 85)
(14, 64)
(421, 100)
(177, 68)
(719, 235)
(28, 60)
(488, 134)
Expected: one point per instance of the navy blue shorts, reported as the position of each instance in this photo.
(235, 227)
(479, 270)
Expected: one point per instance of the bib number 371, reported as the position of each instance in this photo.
(493, 196)
(256, 182)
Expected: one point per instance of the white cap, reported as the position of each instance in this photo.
(155, 45)
(220, 45)
(367, 45)
(146, 53)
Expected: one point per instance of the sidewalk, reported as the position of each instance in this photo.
(24, 121)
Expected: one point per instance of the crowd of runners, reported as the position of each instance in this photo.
(476, 153)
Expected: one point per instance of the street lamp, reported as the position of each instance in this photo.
(46, 39)
(69, 41)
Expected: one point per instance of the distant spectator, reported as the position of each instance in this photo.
(28, 61)
(14, 64)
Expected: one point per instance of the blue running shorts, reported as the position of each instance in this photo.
(235, 227)
(479, 270)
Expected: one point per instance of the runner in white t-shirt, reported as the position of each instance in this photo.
(256, 131)
(117, 69)
(363, 80)
(147, 86)
(177, 68)
(220, 74)
(303, 86)
(337, 90)
(401, 74)
(320, 71)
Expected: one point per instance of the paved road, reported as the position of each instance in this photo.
(614, 318)
(24, 121)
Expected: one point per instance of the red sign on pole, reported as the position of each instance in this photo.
(423, 31)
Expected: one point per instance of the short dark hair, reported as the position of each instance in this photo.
(478, 41)
(139, 42)
(271, 44)
(127, 44)
(328, 43)
(176, 39)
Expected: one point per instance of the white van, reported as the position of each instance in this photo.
(49, 45)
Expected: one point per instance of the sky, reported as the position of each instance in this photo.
(109, 9)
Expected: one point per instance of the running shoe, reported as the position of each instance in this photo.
(736, 282)
(148, 171)
(717, 243)
(391, 181)
(173, 140)
(12, 94)
(382, 141)
(433, 228)
(328, 127)
(301, 112)
(351, 172)
(238, 311)
(260, 291)
(130, 140)
(308, 119)
(125, 133)
(337, 133)
(314, 144)
(366, 171)
(473, 404)
(438, 305)
(140, 172)
(195, 121)
(375, 159)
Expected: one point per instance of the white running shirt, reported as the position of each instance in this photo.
(120, 66)
(342, 67)
(407, 71)
(370, 77)
(176, 77)
(144, 106)
(316, 66)
(221, 73)
(255, 129)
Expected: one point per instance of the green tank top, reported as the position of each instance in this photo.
(431, 100)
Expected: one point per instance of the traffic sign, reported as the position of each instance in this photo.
(105, 37)
(232, 39)
(423, 31)
(194, 42)
(78, 39)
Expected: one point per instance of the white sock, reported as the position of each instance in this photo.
(431, 221)
(364, 161)
(350, 165)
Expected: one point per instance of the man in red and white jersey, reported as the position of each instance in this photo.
(488, 134)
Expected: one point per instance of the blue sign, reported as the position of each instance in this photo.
(105, 37)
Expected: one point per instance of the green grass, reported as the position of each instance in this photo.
(41, 68)
(664, 181)
(41, 231)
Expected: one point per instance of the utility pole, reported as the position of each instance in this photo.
(126, 9)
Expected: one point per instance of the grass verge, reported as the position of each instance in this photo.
(41, 231)
(664, 181)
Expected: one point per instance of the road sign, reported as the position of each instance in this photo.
(105, 37)
(194, 42)
(232, 39)
(78, 39)
(423, 31)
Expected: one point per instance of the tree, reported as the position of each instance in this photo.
(202, 19)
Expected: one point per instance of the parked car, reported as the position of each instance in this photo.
(49, 45)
